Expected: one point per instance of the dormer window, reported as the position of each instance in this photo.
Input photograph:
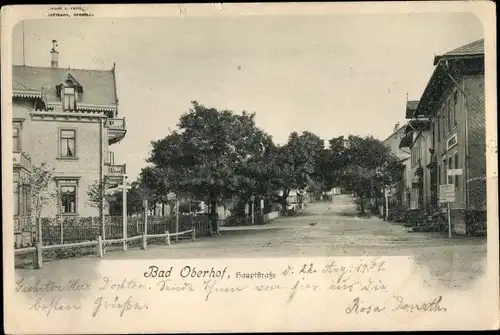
(69, 96)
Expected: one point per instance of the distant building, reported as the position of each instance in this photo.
(418, 140)
(397, 193)
(67, 118)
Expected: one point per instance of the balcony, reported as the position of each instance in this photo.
(116, 129)
(21, 160)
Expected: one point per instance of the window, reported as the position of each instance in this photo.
(68, 198)
(443, 175)
(16, 139)
(449, 115)
(456, 167)
(450, 166)
(69, 96)
(439, 174)
(443, 131)
(433, 136)
(68, 195)
(455, 108)
(16, 198)
(24, 201)
(67, 147)
(438, 119)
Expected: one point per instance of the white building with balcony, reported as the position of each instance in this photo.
(69, 119)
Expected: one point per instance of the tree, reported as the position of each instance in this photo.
(135, 199)
(95, 191)
(211, 155)
(296, 162)
(365, 165)
(39, 181)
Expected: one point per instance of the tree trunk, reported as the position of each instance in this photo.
(362, 204)
(213, 213)
(284, 197)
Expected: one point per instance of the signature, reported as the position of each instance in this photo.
(122, 306)
(55, 305)
(358, 307)
(428, 306)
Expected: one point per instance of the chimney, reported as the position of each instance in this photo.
(54, 55)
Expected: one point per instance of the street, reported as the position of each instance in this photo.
(322, 230)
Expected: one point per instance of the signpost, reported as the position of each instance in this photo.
(124, 188)
(447, 195)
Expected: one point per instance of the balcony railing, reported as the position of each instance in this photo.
(117, 129)
(116, 124)
(20, 159)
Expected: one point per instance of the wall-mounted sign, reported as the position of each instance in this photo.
(447, 193)
(454, 172)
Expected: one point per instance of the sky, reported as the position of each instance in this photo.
(331, 75)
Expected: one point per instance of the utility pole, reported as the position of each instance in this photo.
(101, 179)
(386, 204)
(145, 204)
(177, 204)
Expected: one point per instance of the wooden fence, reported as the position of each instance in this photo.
(69, 230)
(99, 244)
(59, 235)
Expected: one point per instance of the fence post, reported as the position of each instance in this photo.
(38, 255)
(144, 241)
(100, 253)
(103, 226)
(177, 221)
(194, 233)
(167, 238)
(62, 230)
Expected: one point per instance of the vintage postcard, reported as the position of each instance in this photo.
(249, 167)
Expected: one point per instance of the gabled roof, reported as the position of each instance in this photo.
(475, 48)
(411, 107)
(469, 57)
(99, 90)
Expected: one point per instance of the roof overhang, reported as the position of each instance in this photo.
(437, 59)
(446, 71)
(26, 94)
(87, 107)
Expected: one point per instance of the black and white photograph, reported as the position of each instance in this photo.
(199, 138)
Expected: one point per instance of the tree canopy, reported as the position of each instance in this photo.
(219, 155)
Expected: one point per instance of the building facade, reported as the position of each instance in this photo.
(397, 193)
(453, 104)
(67, 119)
(418, 140)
